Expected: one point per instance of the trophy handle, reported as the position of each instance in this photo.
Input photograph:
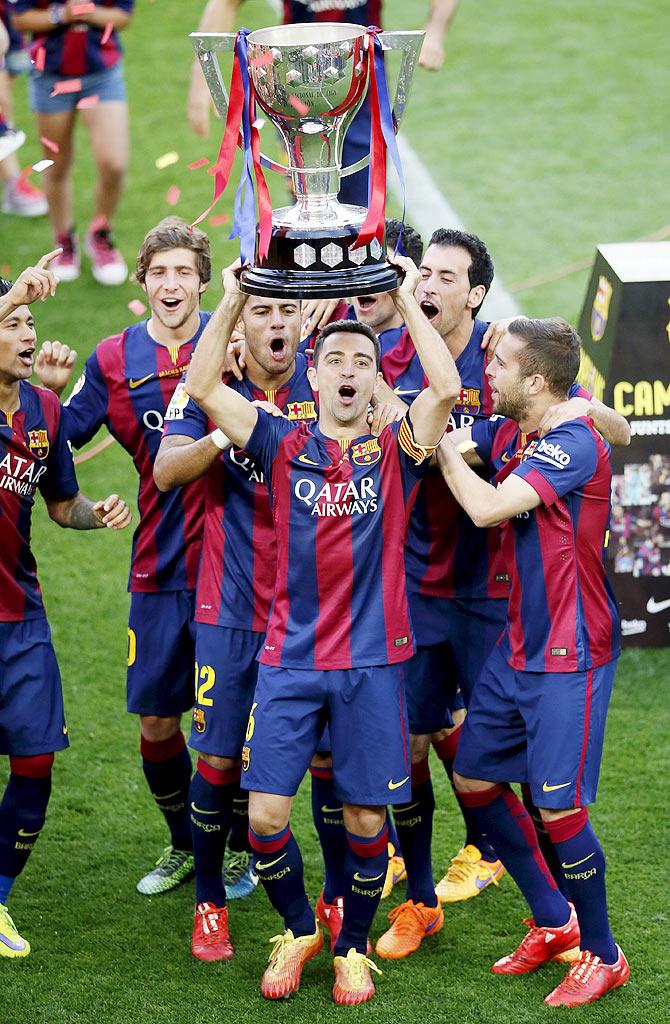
(410, 44)
(205, 44)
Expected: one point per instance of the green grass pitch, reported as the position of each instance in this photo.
(546, 132)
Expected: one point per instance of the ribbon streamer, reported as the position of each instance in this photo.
(382, 139)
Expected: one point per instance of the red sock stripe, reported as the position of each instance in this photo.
(420, 772)
(446, 747)
(162, 750)
(218, 776)
(568, 827)
(481, 797)
(369, 848)
(269, 844)
(320, 773)
(36, 767)
(519, 812)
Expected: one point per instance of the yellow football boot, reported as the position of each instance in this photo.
(468, 875)
(353, 981)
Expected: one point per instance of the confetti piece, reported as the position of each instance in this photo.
(202, 162)
(48, 144)
(109, 28)
(298, 105)
(136, 307)
(40, 58)
(262, 61)
(172, 196)
(166, 160)
(466, 446)
(80, 9)
(42, 165)
(4, 270)
(258, 123)
(86, 102)
(219, 218)
(69, 85)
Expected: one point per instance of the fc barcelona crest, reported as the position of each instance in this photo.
(301, 411)
(601, 308)
(366, 453)
(199, 723)
(38, 443)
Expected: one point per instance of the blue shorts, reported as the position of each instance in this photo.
(226, 673)
(161, 653)
(368, 731)
(543, 728)
(455, 637)
(32, 720)
(107, 85)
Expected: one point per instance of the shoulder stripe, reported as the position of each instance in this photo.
(409, 445)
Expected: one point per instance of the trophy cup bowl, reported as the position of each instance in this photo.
(310, 80)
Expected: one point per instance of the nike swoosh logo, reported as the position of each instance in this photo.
(22, 832)
(199, 810)
(433, 924)
(132, 383)
(654, 606)
(359, 878)
(331, 810)
(307, 462)
(505, 457)
(396, 785)
(270, 863)
(578, 862)
(546, 788)
(399, 391)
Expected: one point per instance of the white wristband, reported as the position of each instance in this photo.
(219, 439)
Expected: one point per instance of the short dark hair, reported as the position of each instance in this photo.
(552, 349)
(175, 233)
(346, 327)
(480, 270)
(5, 286)
(412, 242)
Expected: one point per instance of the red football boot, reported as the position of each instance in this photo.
(210, 939)
(331, 916)
(588, 979)
(538, 946)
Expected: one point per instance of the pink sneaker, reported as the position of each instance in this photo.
(107, 264)
(66, 266)
(23, 199)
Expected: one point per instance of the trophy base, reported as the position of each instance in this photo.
(300, 265)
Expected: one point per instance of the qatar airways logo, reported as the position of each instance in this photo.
(552, 453)
(347, 498)
(249, 468)
(20, 476)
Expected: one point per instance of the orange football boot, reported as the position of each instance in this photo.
(411, 924)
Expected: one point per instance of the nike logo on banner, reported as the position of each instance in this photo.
(270, 863)
(22, 832)
(654, 606)
(578, 862)
(331, 810)
(359, 878)
(199, 810)
(308, 462)
(132, 383)
(546, 788)
(397, 785)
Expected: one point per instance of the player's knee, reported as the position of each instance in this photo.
(322, 761)
(156, 729)
(112, 166)
(224, 764)
(268, 814)
(419, 747)
(551, 814)
(364, 821)
(36, 767)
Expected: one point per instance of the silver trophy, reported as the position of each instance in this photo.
(310, 80)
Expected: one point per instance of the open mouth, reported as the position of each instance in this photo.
(26, 357)
(347, 393)
(365, 302)
(171, 304)
(429, 309)
(278, 348)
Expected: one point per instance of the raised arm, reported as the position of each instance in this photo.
(430, 411)
(229, 410)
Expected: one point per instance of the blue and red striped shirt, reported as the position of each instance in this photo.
(77, 48)
(34, 454)
(340, 512)
(562, 616)
(239, 552)
(127, 385)
(354, 12)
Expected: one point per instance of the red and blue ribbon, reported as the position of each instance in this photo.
(242, 109)
(382, 139)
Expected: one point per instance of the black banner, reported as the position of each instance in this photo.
(625, 331)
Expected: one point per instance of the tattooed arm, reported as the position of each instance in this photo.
(80, 513)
